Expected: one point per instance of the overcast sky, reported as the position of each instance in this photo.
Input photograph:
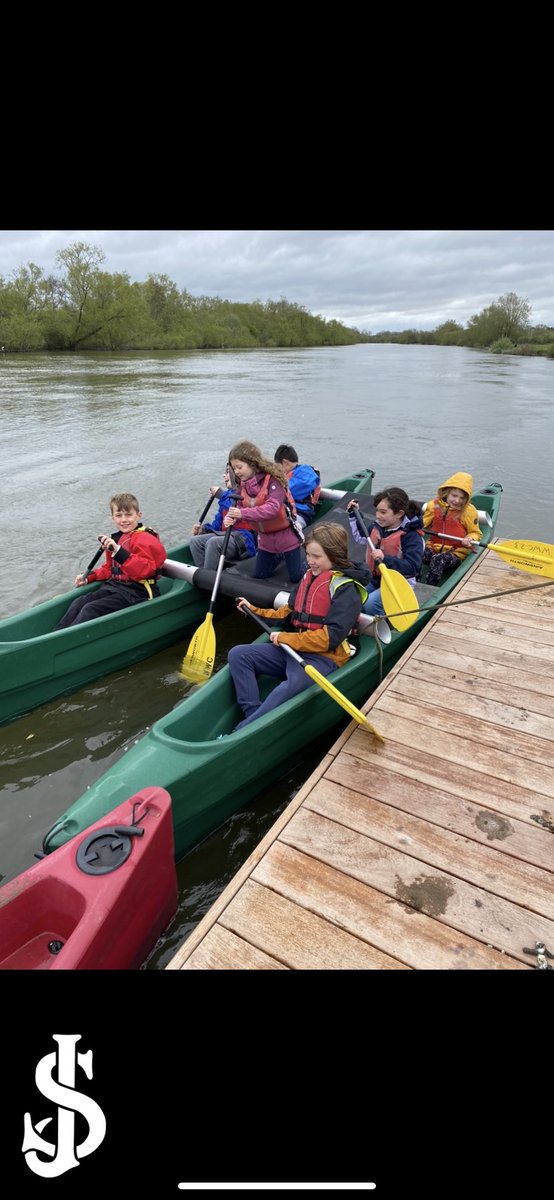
(371, 279)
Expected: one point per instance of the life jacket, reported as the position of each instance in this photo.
(389, 543)
(445, 521)
(283, 518)
(313, 598)
(227, 502)
(117, 574)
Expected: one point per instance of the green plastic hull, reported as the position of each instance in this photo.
(38, 664)
(209, 779)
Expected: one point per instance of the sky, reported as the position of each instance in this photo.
(365, 278)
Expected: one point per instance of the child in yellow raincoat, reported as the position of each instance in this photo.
(451, 512)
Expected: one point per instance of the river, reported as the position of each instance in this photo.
(77, 428)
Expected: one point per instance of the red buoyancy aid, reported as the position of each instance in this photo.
(390, 543)
(236, 524)
(445, 522)
(280, 521)
(313, 598)
(312, 601)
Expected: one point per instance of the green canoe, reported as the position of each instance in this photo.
(37, 663)
(209, 779)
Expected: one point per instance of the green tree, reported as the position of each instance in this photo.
(449, 334)
(508, 318)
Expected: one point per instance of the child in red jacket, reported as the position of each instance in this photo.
(134, 557)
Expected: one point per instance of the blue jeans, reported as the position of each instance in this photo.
(246, 663)
(373, 605)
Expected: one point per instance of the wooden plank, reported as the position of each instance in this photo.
(417, 939)
(221, 950)
(491, 870)
(525, 634)
(448, 899)
(508, 753)
(476, 713)
(184, 952)
(437, 805)
(523, 624)
(537, 600)
(490, 651)
(300, 939)
(405, 751)
(461, 628)
(429, 653)
(470, 683)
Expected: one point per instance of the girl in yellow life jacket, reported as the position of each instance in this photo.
(320, 614)
(450, 512)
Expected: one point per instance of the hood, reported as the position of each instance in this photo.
(460, 479)
(412, 522)
(358, 571)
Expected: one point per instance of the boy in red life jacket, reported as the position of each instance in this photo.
(267, 507)
(397, 536)
(320, 614)
(304, 483)
(450, 512)
(207, 539)
(134, 557)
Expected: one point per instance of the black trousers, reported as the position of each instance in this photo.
(106, 599)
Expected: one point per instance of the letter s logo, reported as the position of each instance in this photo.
(69, 1102)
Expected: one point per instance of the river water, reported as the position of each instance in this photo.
(75, 429)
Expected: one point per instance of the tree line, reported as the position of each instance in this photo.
(84, 307)
(503, 327)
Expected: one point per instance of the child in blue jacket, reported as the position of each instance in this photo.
(397, 536)
(207, 539)
(304, 483)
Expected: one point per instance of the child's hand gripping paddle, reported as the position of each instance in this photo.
(397, 595)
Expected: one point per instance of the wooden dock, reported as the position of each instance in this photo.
(436, 849)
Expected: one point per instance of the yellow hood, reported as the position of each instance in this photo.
(459, 480)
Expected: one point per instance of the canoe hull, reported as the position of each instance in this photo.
(38, 664)
(209, 779)
(62, 915)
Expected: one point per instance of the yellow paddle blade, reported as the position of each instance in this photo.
(535, 557)
(398, 597)
(340, 698)
(199, 659)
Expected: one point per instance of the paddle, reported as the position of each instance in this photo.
(535, 557)
(319, 678)
(199, 659)
(208, 505)
(397, 595)
(99, 553)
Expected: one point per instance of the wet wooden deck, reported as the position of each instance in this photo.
(436, 849)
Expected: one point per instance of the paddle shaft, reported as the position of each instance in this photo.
(450, 537)
(362, 526)
(220, 567)
(267, 629)
(100, 552)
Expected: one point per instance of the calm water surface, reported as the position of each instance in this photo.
(77, 428)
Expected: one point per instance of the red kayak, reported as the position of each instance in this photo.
(99, 902)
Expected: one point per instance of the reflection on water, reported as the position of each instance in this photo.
(76, 428)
